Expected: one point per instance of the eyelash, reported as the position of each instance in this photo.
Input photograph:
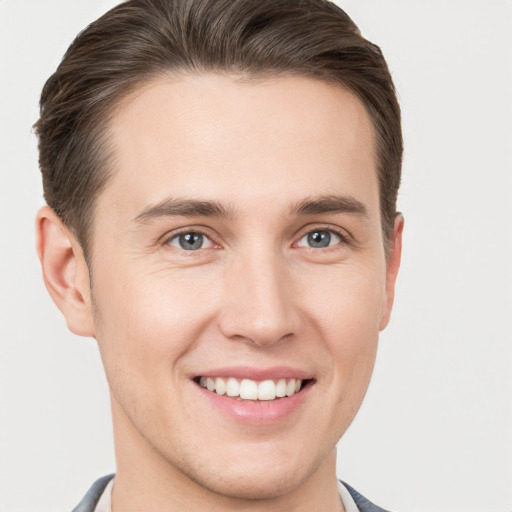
(345, 238)
(189, 230)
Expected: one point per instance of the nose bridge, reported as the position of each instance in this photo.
(261, 306)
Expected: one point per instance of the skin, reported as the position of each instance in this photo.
(256, 294)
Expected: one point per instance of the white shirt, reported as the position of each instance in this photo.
(104, 503)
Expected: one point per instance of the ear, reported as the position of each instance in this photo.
(392, 269)
(65, 271)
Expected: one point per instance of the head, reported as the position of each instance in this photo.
(228, 172)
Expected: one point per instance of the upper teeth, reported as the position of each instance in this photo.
(248, 389)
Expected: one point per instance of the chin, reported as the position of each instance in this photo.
(261, 474)
(249, 484)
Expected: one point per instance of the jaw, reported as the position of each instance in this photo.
(242, 477)
(245, 458)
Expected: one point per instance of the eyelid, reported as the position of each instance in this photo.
(206, 241)
(201, 230)
(344, 235)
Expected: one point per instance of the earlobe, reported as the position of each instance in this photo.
(393, 266)
(65, 271)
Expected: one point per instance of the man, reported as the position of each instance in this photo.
(221, 180)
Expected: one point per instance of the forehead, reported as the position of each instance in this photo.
(218, 138)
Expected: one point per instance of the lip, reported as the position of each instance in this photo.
(257, 412)
(258, 374)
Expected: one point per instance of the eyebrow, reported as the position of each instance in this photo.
(205, 208)
(184, 207)
(330, 204)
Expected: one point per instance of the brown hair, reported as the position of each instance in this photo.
(140, 39)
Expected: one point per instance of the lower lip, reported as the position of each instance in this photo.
(257, 412)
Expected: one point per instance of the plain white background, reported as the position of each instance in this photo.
(435, 432)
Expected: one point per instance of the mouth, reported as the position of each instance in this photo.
(255, 396)
(244, 389)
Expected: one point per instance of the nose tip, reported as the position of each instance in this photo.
(255, 328)
(260, 307)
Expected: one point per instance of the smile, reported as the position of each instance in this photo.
(248, 389)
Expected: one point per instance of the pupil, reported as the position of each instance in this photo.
(190, 241)
(319, 239)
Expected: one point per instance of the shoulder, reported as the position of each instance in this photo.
(91, 498)
(363, 504)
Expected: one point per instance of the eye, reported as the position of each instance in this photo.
(190, 241)
(319, 239)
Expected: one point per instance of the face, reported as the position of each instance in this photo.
(238, 251)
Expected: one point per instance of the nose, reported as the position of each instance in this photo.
(260, 305)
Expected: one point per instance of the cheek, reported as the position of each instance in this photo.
(347, 314)
(145, 322)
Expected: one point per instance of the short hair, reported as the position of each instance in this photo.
(139, 40)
